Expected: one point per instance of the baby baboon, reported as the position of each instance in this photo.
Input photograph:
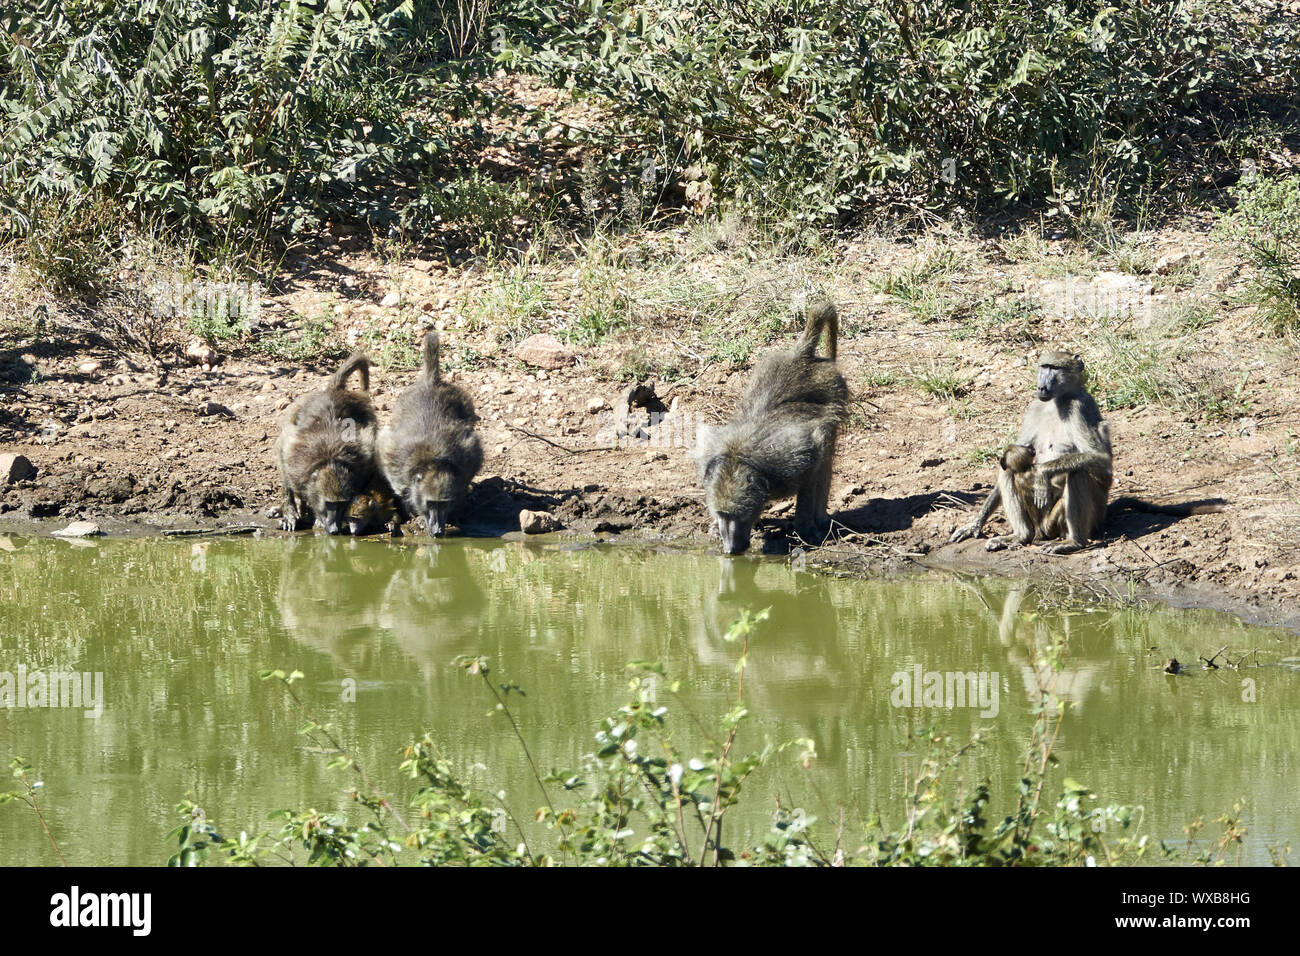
(326, 450)
(430, 452)
(375, 509)
(781, 442)
(1018, 462)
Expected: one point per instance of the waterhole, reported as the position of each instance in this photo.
(179, 631)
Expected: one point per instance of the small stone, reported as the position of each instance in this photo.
(544, 351)
(15, 468)
(537, 522)
(391, 301)
(596, 405)
(79, 529)
(1173, 262)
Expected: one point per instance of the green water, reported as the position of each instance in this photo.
(180, 629)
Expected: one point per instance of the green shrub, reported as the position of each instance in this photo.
(1267, 226)
(210, 118)
(816, 111)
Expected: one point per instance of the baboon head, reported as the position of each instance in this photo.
(373, 509)
(1018, 458)
(735, 493)
(1059, 373)
(330, 491)
(436, 487)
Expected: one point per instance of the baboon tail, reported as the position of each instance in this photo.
(822, 318)
(431, 369)
(1183, 509)
(357, 362)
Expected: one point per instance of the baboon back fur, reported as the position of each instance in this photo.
(326, 449)
(782, 438)
(430, 452)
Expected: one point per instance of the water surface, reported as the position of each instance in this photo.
(180, 630)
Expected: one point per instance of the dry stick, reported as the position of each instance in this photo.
(1209, 664)
(571, 451)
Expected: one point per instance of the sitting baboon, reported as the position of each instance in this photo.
(326, 450)
(1070, 457)
(781, 442)
(1055, 480)
(430, 452)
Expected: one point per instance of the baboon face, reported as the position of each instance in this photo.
(1059, 373)
(735, 494)
(1018, 458)
(330, 491)
(434, 493)
(371, 510)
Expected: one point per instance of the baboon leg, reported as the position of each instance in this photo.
(1084, 503)
(1020, 514)
(290, 513)
(811, 518)
(1053, 526)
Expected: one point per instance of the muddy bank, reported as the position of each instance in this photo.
(193, 451)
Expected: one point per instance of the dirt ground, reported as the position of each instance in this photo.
(116, 442)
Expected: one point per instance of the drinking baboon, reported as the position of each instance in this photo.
(430, 452)
(326, 450)
(781, 441)
(375, 509)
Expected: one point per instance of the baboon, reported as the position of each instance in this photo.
(430, 452)
(326, 450)
(374, 509)
(1055, 480)
(781, 442)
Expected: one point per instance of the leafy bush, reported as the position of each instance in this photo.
(211, 118)
(1267, 226)
(821, 109)
(641, 801)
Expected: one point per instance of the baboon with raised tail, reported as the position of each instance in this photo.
(781, 440)
(326, 450)
(430, 452)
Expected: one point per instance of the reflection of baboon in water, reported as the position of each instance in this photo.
(326, 450)
(781, 441)
(329, 595)
(433, 605)
(1054, 482)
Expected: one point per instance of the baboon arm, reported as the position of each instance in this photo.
(1075, 461)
